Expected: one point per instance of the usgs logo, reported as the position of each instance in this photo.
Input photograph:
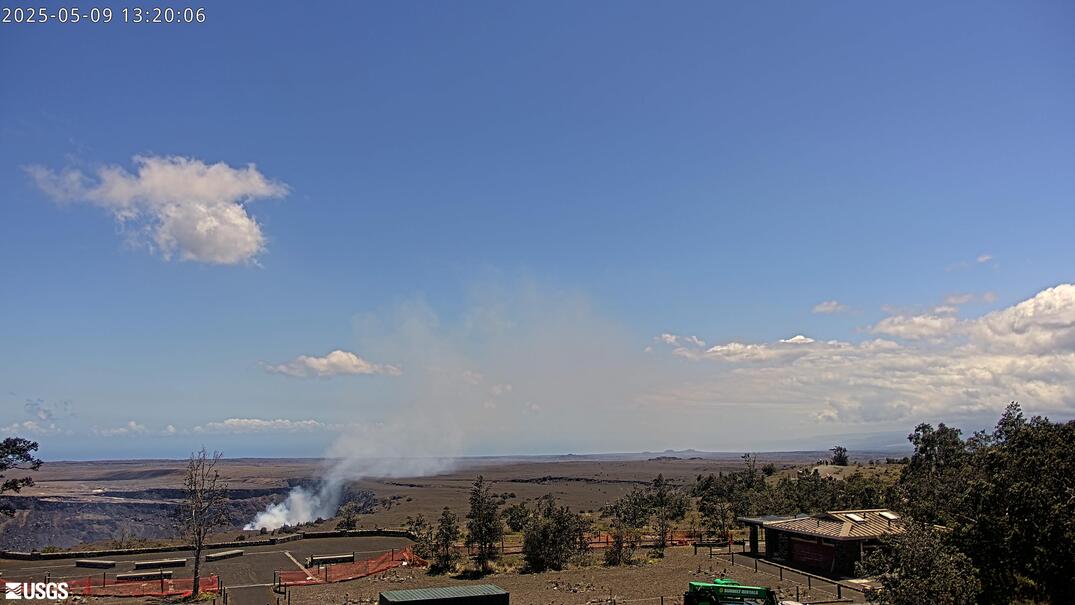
(51, 591)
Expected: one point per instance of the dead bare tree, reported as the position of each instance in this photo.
(205, 506)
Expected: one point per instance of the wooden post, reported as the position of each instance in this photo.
(755, 566)
(839, 590)
(781, 572)
(809, 583)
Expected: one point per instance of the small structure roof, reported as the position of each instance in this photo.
(446, 592)
(835, 525)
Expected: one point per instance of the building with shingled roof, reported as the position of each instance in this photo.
(829, 543)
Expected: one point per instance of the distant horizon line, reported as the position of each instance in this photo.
(592, 455)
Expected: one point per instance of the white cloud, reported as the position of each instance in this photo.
(958, 299)
(830, 306)
(131, 428)
(32, 428)
(916, 327)
(335, 363)
(1044, 324)
(181, 207)
(945, 310)
(259, 425)
(673, 339)
(984, 258)
(945, 366)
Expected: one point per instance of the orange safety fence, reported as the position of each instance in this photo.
(339, 572)
(597, 541)
(103, 586)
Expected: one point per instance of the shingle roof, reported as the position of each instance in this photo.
(446, 592)
(838, 525)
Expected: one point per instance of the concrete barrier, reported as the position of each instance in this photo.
(144, 575)
(326, 559)
(272, 540)
(97, 563)
(226, 554)
(160, 563)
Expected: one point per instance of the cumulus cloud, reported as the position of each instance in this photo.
(32, 428)
(916, 327)
(938, 365)
(829, 306)
(259, 425)
(984, 258)
(1044, 324)
(335, 363)
(178, 206)
(131, 428)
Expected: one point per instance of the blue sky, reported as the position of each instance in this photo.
(512, 203)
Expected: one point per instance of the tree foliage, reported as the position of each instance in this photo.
(629, 516)
(444, 540)
(484, 528)
(667, 503)
(424, 535)
(553, 536)
(516, 516)
(921, 565)
(16, 453)
(348, 514)
(839, 456)
(724, 497)
(1009, 498)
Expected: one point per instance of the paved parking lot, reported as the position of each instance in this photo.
(248, 577)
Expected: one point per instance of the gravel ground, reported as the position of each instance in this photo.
(644, 583)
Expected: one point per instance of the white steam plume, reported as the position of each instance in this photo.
(301, 505)
(364, 452)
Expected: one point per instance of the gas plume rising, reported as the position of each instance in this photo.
(520, 365)
(373, 452)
